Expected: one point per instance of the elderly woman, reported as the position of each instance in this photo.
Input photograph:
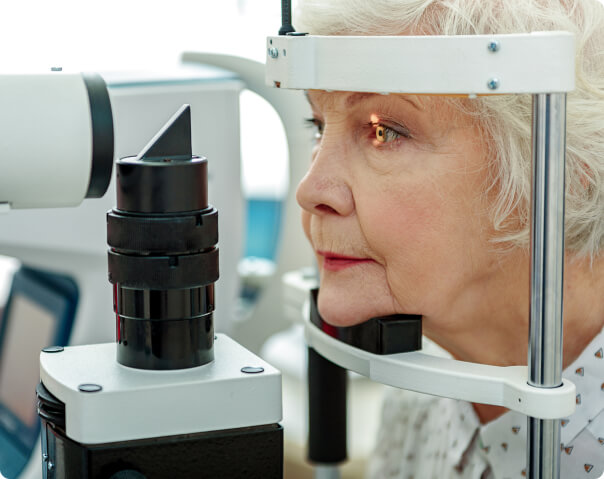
(420, 204)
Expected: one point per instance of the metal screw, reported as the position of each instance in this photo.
(90, 388)
(53, 349)
(493, 84)
(50, 466)
(252, 370)
(45, 457)
(493, 46)
(273, 52)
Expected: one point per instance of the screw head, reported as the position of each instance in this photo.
(493, 46)
(53, 349)
(50, 466)
(90, 388)
(273, 52)
(493, 84)
(252, 370)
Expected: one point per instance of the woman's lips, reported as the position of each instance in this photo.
(338, 262)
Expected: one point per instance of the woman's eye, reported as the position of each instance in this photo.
(385, 134)
(316, 125)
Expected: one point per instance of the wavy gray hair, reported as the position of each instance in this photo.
(506, 120)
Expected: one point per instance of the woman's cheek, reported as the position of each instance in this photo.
(306, 224)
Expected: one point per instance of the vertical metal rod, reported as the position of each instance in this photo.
(547, 274)
(286, 18)
(327, 472)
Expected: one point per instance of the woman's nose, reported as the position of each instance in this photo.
(325, 188)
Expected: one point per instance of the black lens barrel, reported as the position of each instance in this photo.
(163, 263)
(162, 186)
(101, 121)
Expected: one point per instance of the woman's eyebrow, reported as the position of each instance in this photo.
(356, 97)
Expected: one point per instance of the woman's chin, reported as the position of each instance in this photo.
(342, 310)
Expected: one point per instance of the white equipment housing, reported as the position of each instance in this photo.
(442, 65)
(32, 141)
(215, 396)
(73, 241)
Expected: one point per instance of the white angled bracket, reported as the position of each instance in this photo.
(424, 373)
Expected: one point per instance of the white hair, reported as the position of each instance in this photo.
(506, 120)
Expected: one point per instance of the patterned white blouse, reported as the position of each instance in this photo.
(425, 437)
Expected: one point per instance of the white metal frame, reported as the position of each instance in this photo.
(540, 63)
(478, 64)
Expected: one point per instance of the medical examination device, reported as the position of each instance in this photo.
(61, 295)
(540, 64)
(169, 398)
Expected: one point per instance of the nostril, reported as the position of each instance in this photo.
(323, 208)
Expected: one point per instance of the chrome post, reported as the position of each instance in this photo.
(327, 472)
(547, 271)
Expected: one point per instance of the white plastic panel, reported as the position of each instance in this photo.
(480, 383)
(539, 62)
(138, 404)
(45, 140)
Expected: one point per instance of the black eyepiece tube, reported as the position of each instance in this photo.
(286, 18)
(327, 385)
(163, 259)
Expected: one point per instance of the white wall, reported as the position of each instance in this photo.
(126, 34)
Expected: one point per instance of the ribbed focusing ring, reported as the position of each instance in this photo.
(162, 234)
(163, 272)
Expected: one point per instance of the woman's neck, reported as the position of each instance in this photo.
(499, 335)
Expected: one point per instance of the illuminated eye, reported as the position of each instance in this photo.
(383, 134)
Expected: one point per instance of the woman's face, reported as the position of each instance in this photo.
(395, 206)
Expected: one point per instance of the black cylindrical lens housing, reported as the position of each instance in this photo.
(142, 185)
(163, 263)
